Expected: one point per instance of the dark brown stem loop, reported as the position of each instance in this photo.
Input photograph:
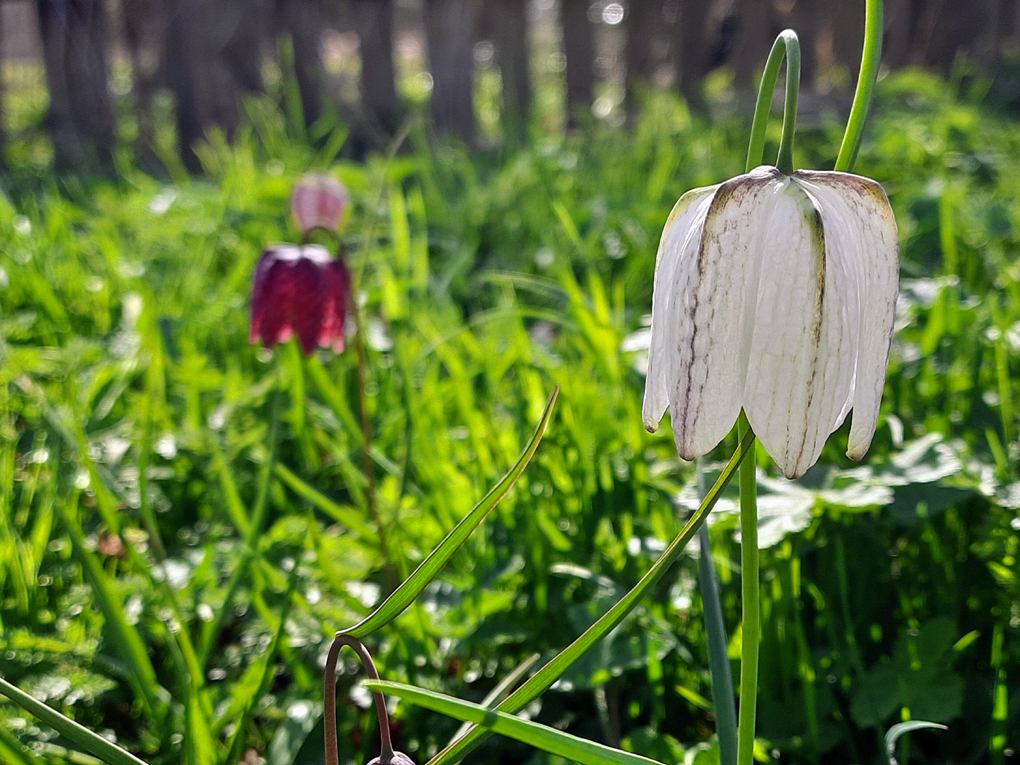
(329, 702)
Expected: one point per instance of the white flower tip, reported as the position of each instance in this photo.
(687, 452)
(794, 472)
(857, 451)
(651, 427)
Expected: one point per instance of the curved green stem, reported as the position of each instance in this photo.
(751, 627)
(870, 59)
(786, 45)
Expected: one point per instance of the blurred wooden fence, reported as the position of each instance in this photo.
(209, 53)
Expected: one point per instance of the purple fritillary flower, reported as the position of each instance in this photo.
(301, 291)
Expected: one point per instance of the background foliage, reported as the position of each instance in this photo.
(182, 516)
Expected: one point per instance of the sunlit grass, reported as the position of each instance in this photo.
(183, 520)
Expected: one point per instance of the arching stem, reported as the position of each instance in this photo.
(870, 60)
(787, 46)
(329, 700)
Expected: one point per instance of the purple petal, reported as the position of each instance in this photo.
(338, 285)
(308, 303)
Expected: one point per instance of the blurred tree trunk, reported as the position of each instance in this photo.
(1005, 26)
(511, 32)
(213, 55)
(693, 54)
(644, 17)
(951, 27)
(754, 37)
(81, 122)
(804, 19)
(373, 20)
(848, 36)
(901, 21)
(3, 112)
(145, 26)
(302, 20)
(579, 49)
(450, 31)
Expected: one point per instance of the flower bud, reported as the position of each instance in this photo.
(319, 201)
(397, 758)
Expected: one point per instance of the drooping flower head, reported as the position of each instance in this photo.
(775, 293)
(319, 201)
(301, 291)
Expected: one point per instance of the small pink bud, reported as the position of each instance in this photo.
(319, 201)
(300, 291)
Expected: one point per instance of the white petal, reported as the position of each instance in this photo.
(805, 337)
(680, 238)
(878, 251)
(713, 301)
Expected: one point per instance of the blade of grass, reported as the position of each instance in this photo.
(718, 658)
(254, 528)
(1000, 701)
(539, 736)
(430, 567)
(127, 639)
(551, 672)
(342, 514)
(900, 729)
(502, 690)
(265, 670)
(79, 734)
(14, 752)
(234, 505)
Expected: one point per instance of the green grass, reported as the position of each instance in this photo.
(132, 408)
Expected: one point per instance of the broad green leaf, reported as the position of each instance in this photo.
(920, 677)
(79, 734)
(539, 736)
(430, 567)
(552, 671)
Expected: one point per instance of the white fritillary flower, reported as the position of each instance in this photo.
(775, 293)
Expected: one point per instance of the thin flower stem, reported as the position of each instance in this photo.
(870, 60)
(750, 631)
(366, 436)
(329, 700)
(787, 45)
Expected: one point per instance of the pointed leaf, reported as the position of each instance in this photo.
(502, 690)
(905, 727)
(430, 567)
(77, 733)
(539, 736)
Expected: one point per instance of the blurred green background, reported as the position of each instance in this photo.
(183, 522)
